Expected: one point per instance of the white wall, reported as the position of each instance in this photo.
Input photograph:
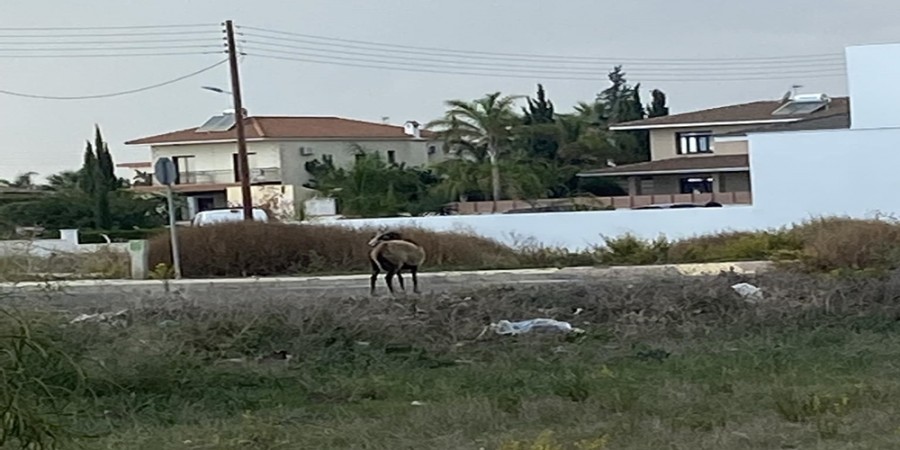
(872, 74)
(43, 248)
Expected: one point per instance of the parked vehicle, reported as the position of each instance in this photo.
(212, 216)
(680, 205)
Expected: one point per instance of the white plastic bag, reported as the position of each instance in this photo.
(526, 326)
(748, 291)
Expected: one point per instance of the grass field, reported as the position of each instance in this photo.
(671, 364)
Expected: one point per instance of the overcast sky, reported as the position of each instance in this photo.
(47, 136)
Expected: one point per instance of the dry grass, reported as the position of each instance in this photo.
(242, 249)
(677, 363)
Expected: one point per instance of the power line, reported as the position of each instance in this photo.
(115, 94)
(108, 55)
(556, 68)
(94, 49)
(121, 27)
(137, 41)
(481, 54)
(542, 77)
(78, 35)
(706, 74)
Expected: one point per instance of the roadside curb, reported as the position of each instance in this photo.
(676, 270)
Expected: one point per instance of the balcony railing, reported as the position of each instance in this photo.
(257, 175)
(620, 202)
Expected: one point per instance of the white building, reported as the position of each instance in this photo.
(278, 148)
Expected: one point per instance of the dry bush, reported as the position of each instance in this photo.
(843, 243)
(263, 249)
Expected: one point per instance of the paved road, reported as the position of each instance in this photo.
(90, 293)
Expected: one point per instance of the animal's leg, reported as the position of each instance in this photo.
(400, 279)
(414, 270)
(389, 280)
(375, 271)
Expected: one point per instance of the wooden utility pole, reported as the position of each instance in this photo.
(243, 167)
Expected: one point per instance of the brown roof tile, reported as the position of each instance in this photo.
(837, 121)
(687, 164)
(761, 110)
(288, 127)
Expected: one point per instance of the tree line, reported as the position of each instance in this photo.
(91, 197)
(501, 152)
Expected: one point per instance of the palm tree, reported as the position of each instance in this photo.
(24, 181)
(66, 180)
(483, 123)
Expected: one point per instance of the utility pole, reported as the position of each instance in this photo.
(243, 167)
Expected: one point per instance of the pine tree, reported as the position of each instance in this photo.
(105, 167)
(540, 110)
(657, 108)
(97, 178)
(88, 168)
(539, 119)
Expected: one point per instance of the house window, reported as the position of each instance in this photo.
(184, 170)
(701, 185)
(236, 165)
(392, 157)
(694, 142)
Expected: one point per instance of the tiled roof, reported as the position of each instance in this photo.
(709, 163)
(288, 127)
(754, 111)
(836, 121)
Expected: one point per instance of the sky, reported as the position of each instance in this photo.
(708, 54)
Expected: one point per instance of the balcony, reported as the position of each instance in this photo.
(258, 175)
(210, 180)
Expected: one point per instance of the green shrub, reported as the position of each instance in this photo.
(733, 246)
(629, 250)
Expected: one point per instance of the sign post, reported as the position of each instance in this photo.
(165, 172)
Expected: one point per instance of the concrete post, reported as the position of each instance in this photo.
(139, 251)
(633, 186)
(69, 235)
(716, 183)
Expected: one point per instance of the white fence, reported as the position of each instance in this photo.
(67, 243)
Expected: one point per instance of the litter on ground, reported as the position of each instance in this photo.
(526, 326)
(748, 291)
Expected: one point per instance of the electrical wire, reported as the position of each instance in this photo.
(79, 35)
(94, 49)
(331, 41)
(520, 75)
(119, 27)
(703, 74)
(138, 41)
(557, 68)
(108, 55)
(116, 94)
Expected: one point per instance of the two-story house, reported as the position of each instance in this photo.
(278, 149)
(703, 155)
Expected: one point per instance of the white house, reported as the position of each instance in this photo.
(278, 148)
